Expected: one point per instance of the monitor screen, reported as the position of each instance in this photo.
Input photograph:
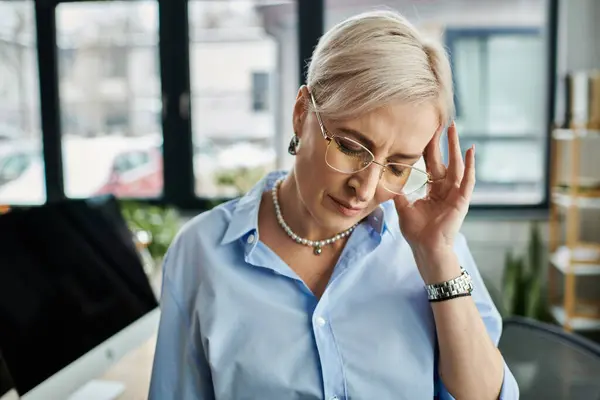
(70, 278)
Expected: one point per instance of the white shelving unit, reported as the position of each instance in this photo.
(570, 134)
(565, 200)
(579, 261)
(575, 323)
(571, 257)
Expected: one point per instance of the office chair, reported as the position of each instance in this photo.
(550, 363)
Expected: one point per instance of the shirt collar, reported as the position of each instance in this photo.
(385, 219)
(244, 218)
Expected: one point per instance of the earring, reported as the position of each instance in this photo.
(294, 145)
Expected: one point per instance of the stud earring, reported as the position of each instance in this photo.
(294, 145)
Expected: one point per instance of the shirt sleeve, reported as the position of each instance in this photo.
(491, 318)
(180, 371)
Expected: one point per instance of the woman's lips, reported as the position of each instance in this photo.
(346, 209)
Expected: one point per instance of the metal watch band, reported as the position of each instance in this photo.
(457, 287)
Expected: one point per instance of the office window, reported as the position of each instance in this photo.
(21, 162)
(236, 48)
(110, 97)
(500, 80)
(500, 85)
(115, 61)
(260, 91)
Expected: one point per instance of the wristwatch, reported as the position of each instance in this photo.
(458, 287)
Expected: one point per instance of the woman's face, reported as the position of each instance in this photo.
(397, 133)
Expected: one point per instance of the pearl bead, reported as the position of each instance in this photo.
(317, 245)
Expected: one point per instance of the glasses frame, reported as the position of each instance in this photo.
(330, 138)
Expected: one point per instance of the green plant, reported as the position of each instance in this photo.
(241, 179)
(523, 289)
(161, 223)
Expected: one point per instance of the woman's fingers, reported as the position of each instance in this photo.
(456, 165)
(468, 181)
(433, 156)
(401, 202)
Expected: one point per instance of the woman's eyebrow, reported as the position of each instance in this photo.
(369, 143)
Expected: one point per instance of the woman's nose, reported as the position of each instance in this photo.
(365, 182)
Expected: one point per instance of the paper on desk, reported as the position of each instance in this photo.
(98, 390)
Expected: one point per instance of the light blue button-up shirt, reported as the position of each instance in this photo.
(238, 323)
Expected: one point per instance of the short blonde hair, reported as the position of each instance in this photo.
(373, 59)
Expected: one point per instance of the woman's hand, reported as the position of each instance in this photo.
(430, 224)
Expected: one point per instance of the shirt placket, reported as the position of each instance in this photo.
(332, 368)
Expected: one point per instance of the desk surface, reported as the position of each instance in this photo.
(134, 371)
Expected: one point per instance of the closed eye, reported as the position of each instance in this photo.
(397, 170)
(349, 147)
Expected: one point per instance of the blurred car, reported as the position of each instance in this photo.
(136, 172)
(127, 167)
(15, 159)
(28, 188)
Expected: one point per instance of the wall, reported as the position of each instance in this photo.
(490, 239)
(578, 34)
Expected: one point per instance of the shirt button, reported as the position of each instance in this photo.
(251, 239)
(335, 398)
(321, 321)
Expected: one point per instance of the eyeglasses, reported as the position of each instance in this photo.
(348, 156)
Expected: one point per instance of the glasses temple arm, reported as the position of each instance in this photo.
(321, 125)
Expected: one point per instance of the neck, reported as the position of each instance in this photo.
(296, 215)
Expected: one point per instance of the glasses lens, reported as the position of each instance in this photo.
(403, 179)
(347, 155)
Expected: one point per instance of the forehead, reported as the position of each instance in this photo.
(410, 126)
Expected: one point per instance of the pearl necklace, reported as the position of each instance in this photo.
(317, 245)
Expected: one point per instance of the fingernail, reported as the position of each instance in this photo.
(473, 147)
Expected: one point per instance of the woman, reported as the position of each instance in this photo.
(331, 281)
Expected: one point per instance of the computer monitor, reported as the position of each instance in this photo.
(73, 294)
(94, 363)
(7, 386)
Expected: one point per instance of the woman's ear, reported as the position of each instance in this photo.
(300, 110)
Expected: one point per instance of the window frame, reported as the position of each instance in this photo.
(178, 182)
(451, 36)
